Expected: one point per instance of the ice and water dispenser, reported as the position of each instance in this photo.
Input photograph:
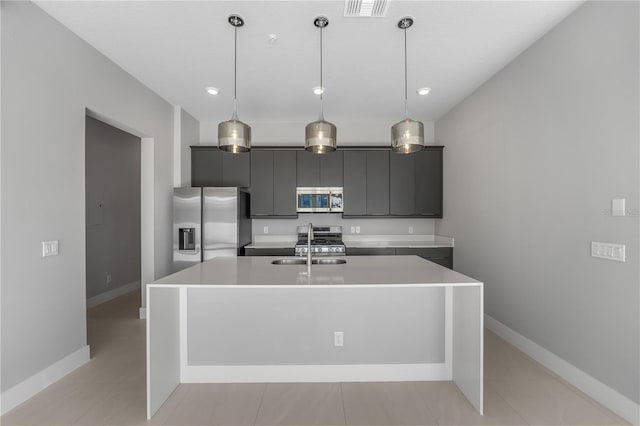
(186, 239)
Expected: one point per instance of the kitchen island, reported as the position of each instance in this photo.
(382, 318)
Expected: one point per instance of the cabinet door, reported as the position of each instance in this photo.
(402, 180)
(377, 183)
(429, 182)
(308, 170)
(236, 169)
(371, 251)
(206, 166)
(270, 251)
(331, 169)
(355, 183)
(261, 183)
(284, 183)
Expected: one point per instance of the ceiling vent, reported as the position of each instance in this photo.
(365, 8)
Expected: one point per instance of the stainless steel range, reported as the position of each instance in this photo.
(325, 241)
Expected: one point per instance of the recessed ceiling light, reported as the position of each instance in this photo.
(213, 90)
(317, 90)
(424, 91)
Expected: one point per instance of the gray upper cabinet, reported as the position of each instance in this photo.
(377, 183)
(206, 166)
(236, 169)
(331, 168)
(402, 185)
(428, 164)
(366, 183)
(212, 167)
(273, 183)
(262, 183)
(355, 183)
(319, 169)
(284, 183)
(308, 170)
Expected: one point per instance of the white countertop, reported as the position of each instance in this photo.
(361, 241)
(359, 271)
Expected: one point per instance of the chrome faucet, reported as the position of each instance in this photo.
(309, 239)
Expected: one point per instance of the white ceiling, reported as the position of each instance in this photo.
(177, 48)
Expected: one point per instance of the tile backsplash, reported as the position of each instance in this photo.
(374, 226)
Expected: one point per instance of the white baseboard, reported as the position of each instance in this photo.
(610, 398)
(314, 373)
(143, 313)
(112, 294)
(11, 398)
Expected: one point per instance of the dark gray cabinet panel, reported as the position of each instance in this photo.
(269, 251)
(206, 166)
(355, 183)
(284, 183)
(308, 171)
(428, 163)
(440, 255)
(377, 183)
(236, 169)
(262, 183)
(373, 251)
(402, 180)
(212, 167)
(331, 168)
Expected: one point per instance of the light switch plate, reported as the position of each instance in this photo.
(608, 251)
(618, 207)
(49, 248)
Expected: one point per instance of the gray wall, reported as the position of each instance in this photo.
(189, 135)
(49, 78)
(532, 161)
(112, 170)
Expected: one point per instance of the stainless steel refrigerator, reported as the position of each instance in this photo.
(209, 222)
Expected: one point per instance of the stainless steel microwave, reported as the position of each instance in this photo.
(319, 199)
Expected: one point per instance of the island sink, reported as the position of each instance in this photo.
(304, 262)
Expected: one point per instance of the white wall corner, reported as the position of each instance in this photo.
(610, 398)
(177, 144)
(21, 392)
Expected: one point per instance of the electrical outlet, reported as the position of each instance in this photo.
(108, 279)
(353, 229)
(338, 338)
(49, 248)
(411, 229)
(265, 230)
(357, 229)
(617, 207)
(608, 251)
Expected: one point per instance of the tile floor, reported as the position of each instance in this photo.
(110, 390)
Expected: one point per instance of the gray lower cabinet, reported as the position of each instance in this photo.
(366, 183)
(371, 251)
(440, 255)
(270, 251)
(213, 167)
(273, 184)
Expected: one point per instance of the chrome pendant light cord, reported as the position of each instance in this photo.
(235, 73)
(321, 86)
(406, 102)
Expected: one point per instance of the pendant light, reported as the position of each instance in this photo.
(407, 136)
(320, 136)
(234, 135)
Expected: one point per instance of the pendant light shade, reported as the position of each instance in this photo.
(407, 136)
(320, 136)
(234, 135)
